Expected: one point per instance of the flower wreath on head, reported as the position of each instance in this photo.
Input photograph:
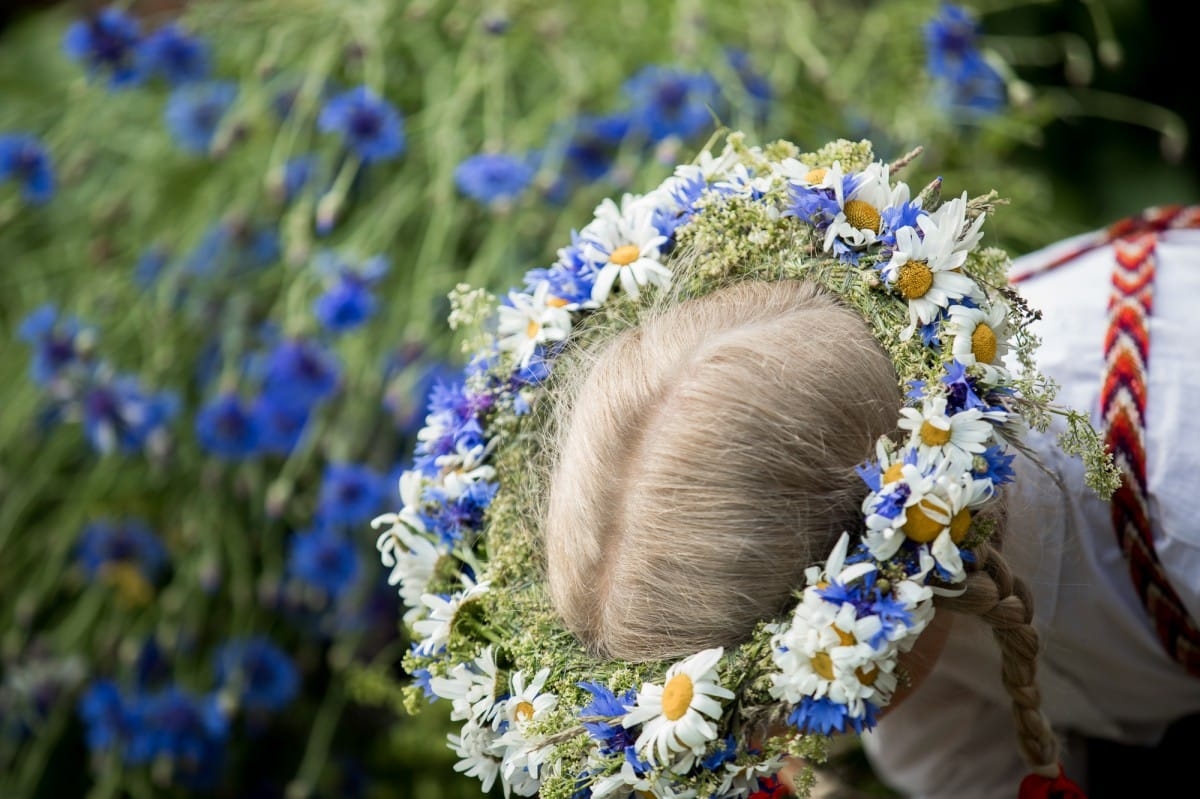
(541, 715)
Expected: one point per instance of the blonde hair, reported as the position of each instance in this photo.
(705, 458)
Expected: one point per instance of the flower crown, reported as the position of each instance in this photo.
(537, 712)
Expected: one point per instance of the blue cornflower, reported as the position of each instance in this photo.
(755, 83)
(422, 678)
(183, 729)
(150, 266)
(370, 126)
(351, 493)
(721, 755)
(106, 43)
(296, 174)
(456, 515)
(125, 553)
(816, 206)
(671, 102)
(823, 716)
(997, 466)
(955, 62)
(594, 145)
(194, 113)
(280, 425)
(895, 217)
(325, 560)
(23, 159)
(228, 428)
(58, 343)
(493, 178)
(347, 302)
(120, 415)
(263, 677)
(960, 393)
(613, 737)
(175, 56)
(301, 373)
(105, 715)
(233, 247)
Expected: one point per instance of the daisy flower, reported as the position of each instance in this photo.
(980, 338)
(530, 321)
(624, 244)
(434, 630)
(475, 748)
(936, 434)
(676, 715)
(861, 198)
(412, 558)
(527, 702)
(471, 689)
(924, 270)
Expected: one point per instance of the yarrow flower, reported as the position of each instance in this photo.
(25, 161)
(370, 126)
(493, 178)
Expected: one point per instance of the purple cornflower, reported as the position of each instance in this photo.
(370, 126)
(194, 112)
(232, 248)
(23, 159)
(173, 55)
(186, 730)
(258, 672)
(59, 344)
(120, 415)
(280, 425)
(105, 715)
(228, 428)
(595, 143)
(967, 81)
(493, 178)
(671, 102)
(106, 43)
(128, 543)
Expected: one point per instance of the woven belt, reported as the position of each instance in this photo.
(1123, 410)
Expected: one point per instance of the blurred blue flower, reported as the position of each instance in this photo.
(187, 731)
(105, 715)
(300, 372)
(351, 494)
(755, 84)
(58, 343)
(347, 301)
(671, 102)
(24, 159)
(280, 425)
(150, 266)
(175, 56)
(594, 144)
(233, 247)
(297, 173)
(965, 79)
(123, 550)
(261, 674)
(228, 428)
(370, 126)
(493, 178)
(194, 113)
(325, 560)
(106, 43)
(119, 415)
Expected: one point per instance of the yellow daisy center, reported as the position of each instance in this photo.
(932, 435)
(816, 175)
(866, 677)
(531, 329)
(677, 696)
(846, 639)
(556, 302)
(524, 711)
(959, 524)
(919, 526)
(915, 280)
(893, 473)
(823, 664)
(862, 215)
(625, 254)
(129, 582)
(983, 343)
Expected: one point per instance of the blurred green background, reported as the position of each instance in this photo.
(213, 253)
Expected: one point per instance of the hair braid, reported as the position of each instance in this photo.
(1004, 601)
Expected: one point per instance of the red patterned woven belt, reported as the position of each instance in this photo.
(1123, 411)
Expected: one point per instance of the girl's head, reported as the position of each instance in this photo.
(707, 458)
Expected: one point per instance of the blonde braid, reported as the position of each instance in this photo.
(1004, 601)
